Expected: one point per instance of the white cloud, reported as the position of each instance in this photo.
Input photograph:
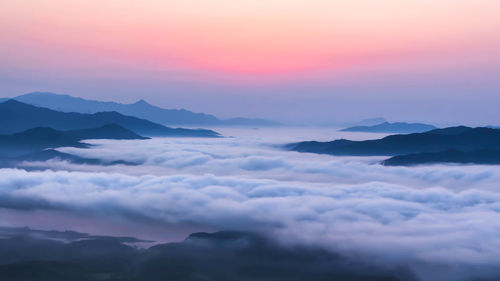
(438, 214)
(426, 224)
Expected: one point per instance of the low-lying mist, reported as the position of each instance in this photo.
(440, 220)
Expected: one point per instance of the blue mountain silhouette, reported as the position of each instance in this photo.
(16, 116)
(140, 109)
(398, 127)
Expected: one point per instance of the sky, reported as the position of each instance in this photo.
(298, 61)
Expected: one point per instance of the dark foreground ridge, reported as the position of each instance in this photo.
(16, 116)
(450, 145)
(231, 256)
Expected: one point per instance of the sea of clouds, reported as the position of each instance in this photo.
(442, 220)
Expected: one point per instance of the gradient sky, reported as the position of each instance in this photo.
(299, 61)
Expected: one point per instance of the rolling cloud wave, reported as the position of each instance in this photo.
(445, 215)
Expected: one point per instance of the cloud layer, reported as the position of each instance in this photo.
(447, 216)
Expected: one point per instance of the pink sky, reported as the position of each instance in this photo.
(252, 37)
(230, 41)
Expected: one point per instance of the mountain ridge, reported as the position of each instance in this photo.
(35, 139)
(108, 131)
(466, 140)
(140, 109)
(481, 157)
(38, 144)
(396, 127)
(16, 116)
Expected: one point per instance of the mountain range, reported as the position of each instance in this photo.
(398, 127)
(37, 145)
(16, 116)
(33, 141)
(140, 109)
(449, 145)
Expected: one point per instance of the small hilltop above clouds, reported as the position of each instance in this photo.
(38, 144)
(460, 145)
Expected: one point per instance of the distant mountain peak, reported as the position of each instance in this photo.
(14, 104)
(396, 127)
(12, 101)
(141, 102)
(141, 109)
(367, 122)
